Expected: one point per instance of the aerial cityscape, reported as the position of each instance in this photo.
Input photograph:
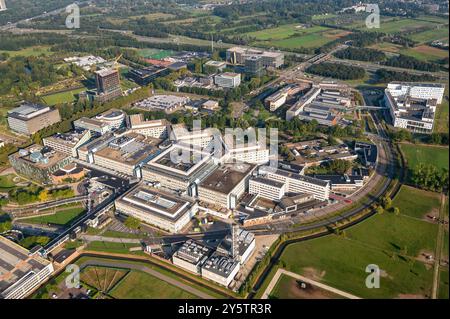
(210, 149)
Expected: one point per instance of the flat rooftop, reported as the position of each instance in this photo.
(220, 265)
(40, 156)
(70, 138)
(156, 202)
(289, 174)
(193, 252)
(106, 72)
(28, 110)
(226, 177)
(16, 264)
(130, 149)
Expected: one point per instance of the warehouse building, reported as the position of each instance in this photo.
(21, 271)
(30, 118)
(167, 211)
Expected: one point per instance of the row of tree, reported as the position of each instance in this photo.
(337, 71)
(429, 177)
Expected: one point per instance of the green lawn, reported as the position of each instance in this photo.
(140, 285)
(63, 217)
(425, 53)
(291, 36)
(443, 284)
(395, 25)
(6, 182)
(431, 35)
(392, 242)
(416, 154)
(63, 97)
(441, 118)
(415, 202)
(119, 248)
(31, 51)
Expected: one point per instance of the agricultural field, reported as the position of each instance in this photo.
(394, 25)
(395, 243)
(293, 36)
(431, 35)
(62, 217)
(140, 285)
(425, 53)
(416, 154)
(62, 97)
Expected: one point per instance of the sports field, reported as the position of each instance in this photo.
(416, 154)
(154, 53)
(395, 243)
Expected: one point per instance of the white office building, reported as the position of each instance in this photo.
(228, 80)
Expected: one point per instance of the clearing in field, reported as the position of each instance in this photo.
(426, 53)
(416, 202)
(394, 243)
(140, 285)
(289, 288)
(416, 154)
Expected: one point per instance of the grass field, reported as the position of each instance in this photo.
(415, 202)
(63, 97)
(6, 182)
(425, 53)
(119, 248)
(441, 118)
(287, 288)
(102, 278)
(416, 154)
(140, 285)
(292, 36)
(63, 217)
(443, 285)
(395, 25)
(31, 51)
(431, 35)
(394, 243)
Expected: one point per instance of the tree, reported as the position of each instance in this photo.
(132, 223)
(386, 202)
(43, 195)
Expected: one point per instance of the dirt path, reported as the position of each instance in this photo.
(280, 272)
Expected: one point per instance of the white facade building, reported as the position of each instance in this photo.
(228, 80)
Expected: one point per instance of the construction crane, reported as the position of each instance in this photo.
(116, 62)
